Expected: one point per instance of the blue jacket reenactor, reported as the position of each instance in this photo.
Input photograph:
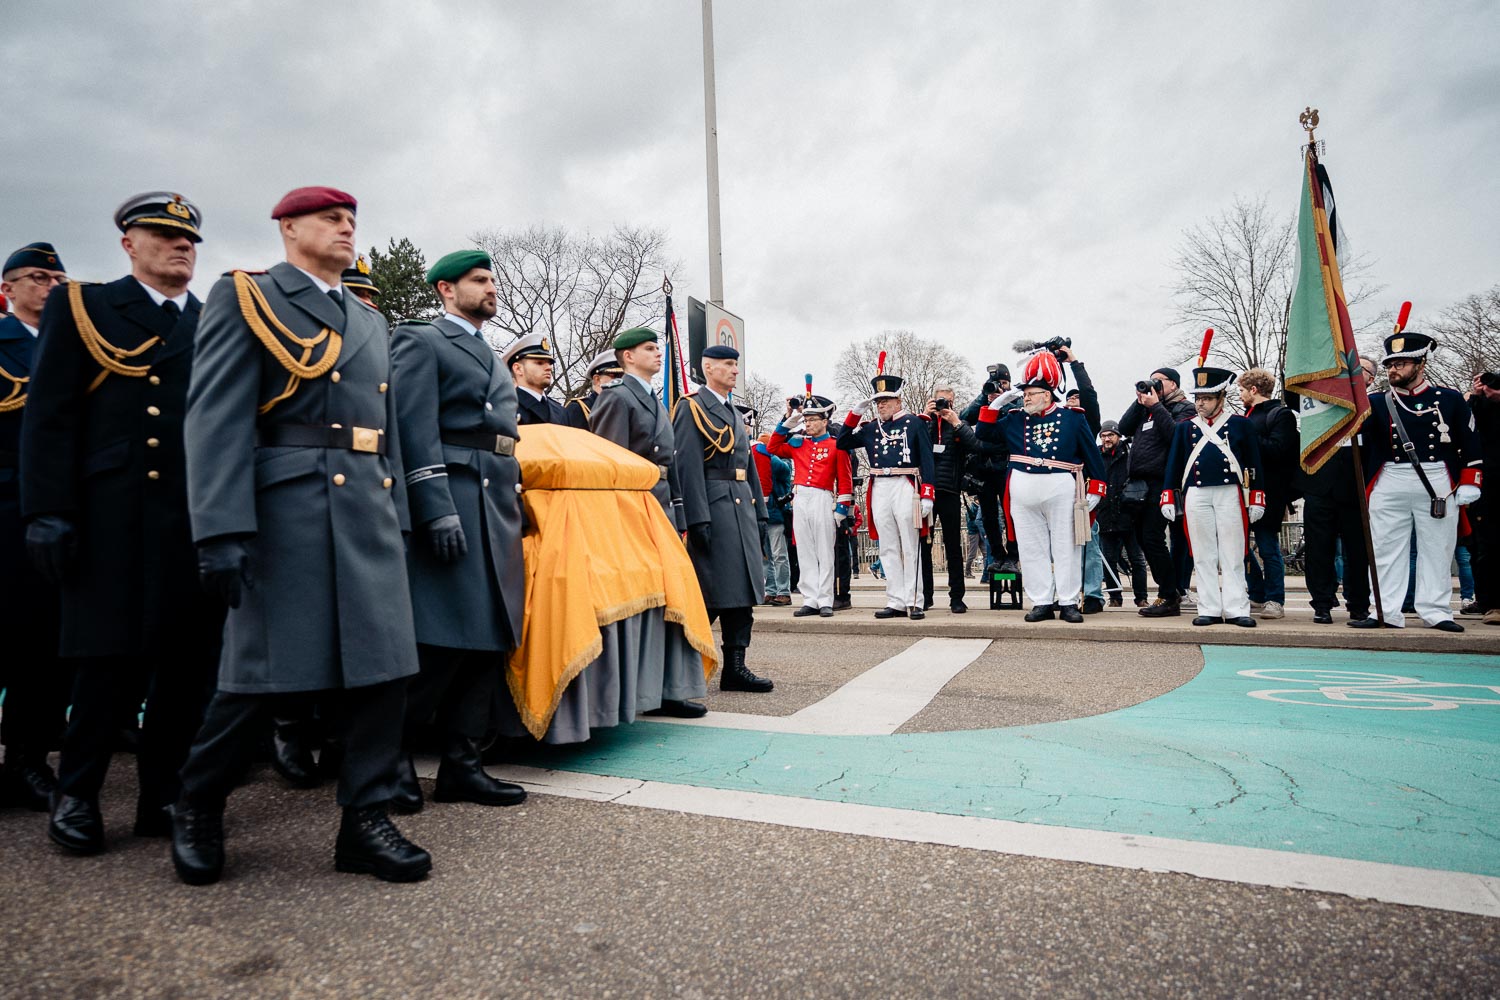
(105, 496)
(36, 680)
(1214, 480)
(1422, 455)
(456, 410)
(723, 509)
(530, 363)
(299, 511)
(603, 369)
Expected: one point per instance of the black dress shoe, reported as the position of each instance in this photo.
(197, 844)
(1448, 626)
(1070, 614)
(825, 612)
(1369, 623)
(1093, 605)
(885, 613)
(806, 611)
(737, 677)
(1208, 620)
(842, 603)
(958, 607)
(76, 825)
(152, 821)
(1161, 609)
(293, 760)
(916, 614)
(1244, 621)
(408, 797)
(1040, 613)
(27, 781)
(370, 844)
(1322, 618)
(460, 778)
(679, 709)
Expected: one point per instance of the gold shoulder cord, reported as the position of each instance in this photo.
(715, 436)
(252, 304)
(585, 408)
(99, 348)
(17, 397)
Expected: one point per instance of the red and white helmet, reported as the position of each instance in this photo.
(1041, 371)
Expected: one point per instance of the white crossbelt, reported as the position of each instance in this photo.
(1211, 435)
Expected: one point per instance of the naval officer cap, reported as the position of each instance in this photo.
(161, 210)
(635, 338)
(533, 345)
(1210, 381)
(358, 277)
(452, 266)
(306, 200)
(33, 255)
(605, 363)
(721, 352)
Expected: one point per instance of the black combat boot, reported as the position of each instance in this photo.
(197, 843)
(370, 844)
(76, 825)
(26, 780)
(737, 677)
(460, 778)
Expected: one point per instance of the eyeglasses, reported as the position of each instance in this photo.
(44, 278)
(1399, 363)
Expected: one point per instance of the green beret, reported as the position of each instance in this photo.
(634, 338)
(455, 265)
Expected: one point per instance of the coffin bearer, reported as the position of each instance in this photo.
(299, 508)
(1213, 468)
(901, 474)
(824, 490)
(35, 678)
(1057, 478)
(105, 495)
(456, 412)
(1423, 457)
(722, 508)
(357, 280)
(530, 362)
(603, 369)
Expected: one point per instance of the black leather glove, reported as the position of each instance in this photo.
(52, 543)
(446, 537)
(765, 539)
(224, 569)
(701, 535)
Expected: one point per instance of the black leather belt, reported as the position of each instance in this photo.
(731, 475)
(482, 440)
(364, 439)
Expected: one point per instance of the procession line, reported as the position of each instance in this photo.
(1459, 892)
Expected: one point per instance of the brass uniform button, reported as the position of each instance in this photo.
(386, 482)
(154, 411)
(334, 377)
(155, 380)
(486, 484)
(153, 442)
(153, 474)
(384, 387)
(338, 479)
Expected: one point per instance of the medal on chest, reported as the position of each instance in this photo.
(893, 440)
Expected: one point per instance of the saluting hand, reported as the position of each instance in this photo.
(446, 537)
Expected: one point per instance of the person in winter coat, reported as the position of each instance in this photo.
(1116, 522)
(1280, 448)
(1149, 424)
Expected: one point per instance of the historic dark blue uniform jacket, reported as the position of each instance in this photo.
(1422, 413)
(1060, 435)
(1212, 467)
(902, 442)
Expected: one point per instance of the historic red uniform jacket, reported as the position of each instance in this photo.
(816, 462)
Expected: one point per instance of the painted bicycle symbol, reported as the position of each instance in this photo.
(1374, 692)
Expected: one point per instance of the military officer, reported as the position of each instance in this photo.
(299, 508)
(901, 489)
(104, 493)
(1213, 468)
(529, 360)
(603, 369)
(1422, 454)
(723, 509)
(357, 280)
(35, 678)
(456, 410)
(824, 495)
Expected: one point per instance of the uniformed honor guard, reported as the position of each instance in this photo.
(1056, 479)
(299, 508)
(901, 489)
(605, 368)
(456, 409)
(723, 509)
(529, 361)
(104, 492)
(1213, 468)
(824, 490)
(36, 680)
(357, 280)
(1423, 457)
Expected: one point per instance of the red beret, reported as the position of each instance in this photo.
(312, 199)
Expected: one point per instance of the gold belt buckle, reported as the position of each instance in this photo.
(366, 439)
(504, 445)
(739, 475)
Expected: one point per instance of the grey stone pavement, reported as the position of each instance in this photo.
(565, 897)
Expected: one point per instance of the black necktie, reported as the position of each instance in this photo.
(338, 299)
(171, 309)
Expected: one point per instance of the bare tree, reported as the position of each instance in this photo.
(1236, 273)
(1468, 335)
(765, 398)
(578, 289)
(923, 365)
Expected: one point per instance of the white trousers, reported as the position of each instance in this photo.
(812, 519)
(1216, 527)
(1041, 506)
(1399, 504)
(894, 500)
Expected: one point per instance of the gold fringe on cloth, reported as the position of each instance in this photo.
(598, 549)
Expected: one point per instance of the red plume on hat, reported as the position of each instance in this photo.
(1042, 369)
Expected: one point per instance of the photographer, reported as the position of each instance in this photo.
(1149, 423)
(988, 466)
(1116, 523)
(952, 441)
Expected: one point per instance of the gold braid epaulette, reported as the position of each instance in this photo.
(252, 304)
(584, 407)
(16, 399)
(714, 436)
(99, 348)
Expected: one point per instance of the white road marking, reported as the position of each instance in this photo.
(876, 703)
(1459, 892)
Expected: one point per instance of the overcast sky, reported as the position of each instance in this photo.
(976, 172)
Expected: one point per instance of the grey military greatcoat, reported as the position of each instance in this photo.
(720, 489)
(452, 390)
(633, 417)
(328, 605)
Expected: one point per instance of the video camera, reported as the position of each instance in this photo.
(1055, 345)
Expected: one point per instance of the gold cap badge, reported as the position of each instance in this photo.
(178, 209)
(362, 264)
(1203, 378)
(1399, 344)
(546, 346)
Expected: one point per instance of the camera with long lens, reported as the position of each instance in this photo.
(795, 402)
(1152, 386)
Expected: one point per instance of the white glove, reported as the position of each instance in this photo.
(1466, 494)
(926, 508)
(1003, 400)
(1093, 501)
(793, 424)
(1256, 513)
(1169, 511)
(860, 408)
